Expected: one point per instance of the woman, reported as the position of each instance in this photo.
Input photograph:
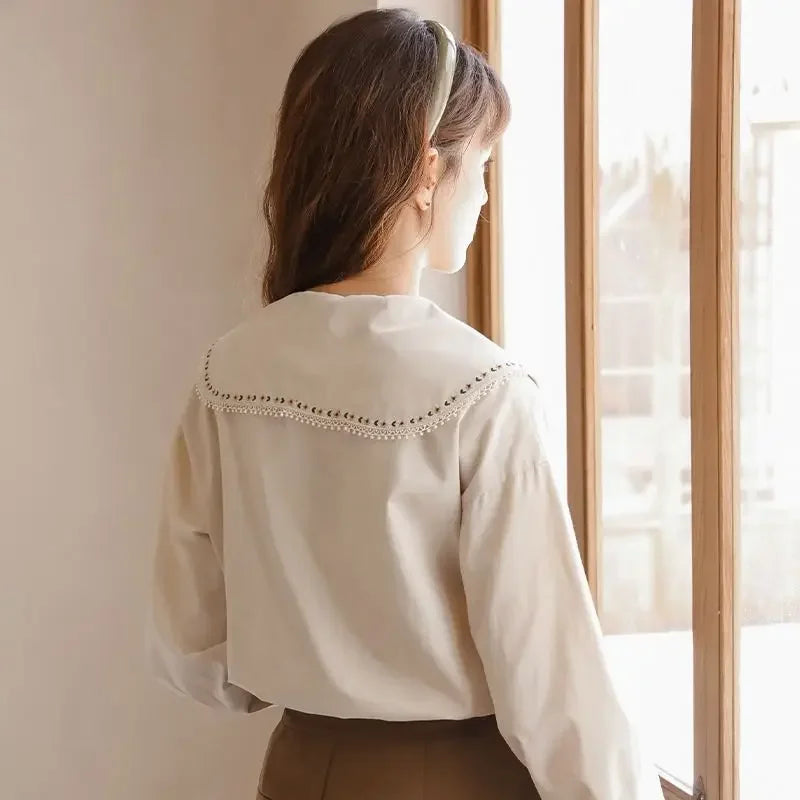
(361, 523)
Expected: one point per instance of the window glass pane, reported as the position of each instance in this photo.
(644, 105)
(532, 180)
(769, 276)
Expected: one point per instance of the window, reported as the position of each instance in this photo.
(647, 267)
(644, 539)
(769, 380)
(533, 202)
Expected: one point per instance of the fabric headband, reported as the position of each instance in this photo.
(445, 70)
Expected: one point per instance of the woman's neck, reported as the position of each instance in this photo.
(390, 276)
(397, 271)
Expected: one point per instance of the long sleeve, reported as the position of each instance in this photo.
(534, 623)
(187, 647)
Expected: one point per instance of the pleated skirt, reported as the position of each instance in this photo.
(324, 758)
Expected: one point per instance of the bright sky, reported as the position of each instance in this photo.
(644, 69)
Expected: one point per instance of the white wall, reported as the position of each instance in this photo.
(133, 143)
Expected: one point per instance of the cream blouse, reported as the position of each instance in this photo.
(360, 520)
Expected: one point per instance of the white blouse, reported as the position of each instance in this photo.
(360, 520)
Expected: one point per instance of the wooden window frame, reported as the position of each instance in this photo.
(580, 270)
(480, 28)
(714, 344)
(714, 309)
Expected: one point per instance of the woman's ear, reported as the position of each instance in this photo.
(424, 195)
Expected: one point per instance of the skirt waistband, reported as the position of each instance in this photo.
(383, 729)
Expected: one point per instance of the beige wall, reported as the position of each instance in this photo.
(133, 143)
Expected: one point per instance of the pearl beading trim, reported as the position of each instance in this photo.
(366, 427)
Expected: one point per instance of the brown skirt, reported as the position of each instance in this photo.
(324, 758)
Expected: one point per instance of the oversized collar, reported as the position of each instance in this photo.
(380, 367)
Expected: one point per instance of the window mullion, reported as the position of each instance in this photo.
(581, 226)
(714, 390)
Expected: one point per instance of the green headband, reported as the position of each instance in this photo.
(445, 70)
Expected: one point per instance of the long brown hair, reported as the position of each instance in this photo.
(351, 143)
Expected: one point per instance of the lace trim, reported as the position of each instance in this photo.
(367, 427)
